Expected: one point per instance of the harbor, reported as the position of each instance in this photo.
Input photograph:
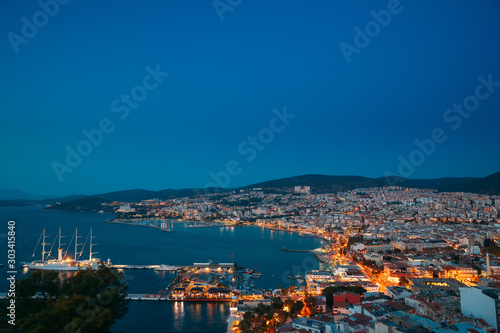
(207, 282)
(127, 246)
(154, 267)
(201, 282)
(161, 225)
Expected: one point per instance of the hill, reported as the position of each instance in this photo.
(319, 184)
(138, 195)
(332, 184)
(489, 185)
(87, 204)
(93, 203)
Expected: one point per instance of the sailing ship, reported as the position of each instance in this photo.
(64, 262)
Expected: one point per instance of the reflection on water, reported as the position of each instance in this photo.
(210, 310)
(179, 315)
(248, 246)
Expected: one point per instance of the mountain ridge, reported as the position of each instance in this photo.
(319, 184)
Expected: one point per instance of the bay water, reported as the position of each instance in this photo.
(250, 247)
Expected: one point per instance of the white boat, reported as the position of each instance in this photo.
(64, 263)
(251, 273)
(166, 268)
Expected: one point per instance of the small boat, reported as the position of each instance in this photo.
(294, 277)
(252, 273)
(164, 268)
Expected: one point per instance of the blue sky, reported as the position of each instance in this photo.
(226, 77)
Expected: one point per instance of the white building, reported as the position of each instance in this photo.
(397, 292)
(126, 209)
(481, 303)
(315, 324)
(378, 248)
(357, 247)
(302, 189)
(473, 250)
(422, 261)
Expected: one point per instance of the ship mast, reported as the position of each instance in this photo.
(59, 249)
(43, 246)
(76, 244)
(91, 253)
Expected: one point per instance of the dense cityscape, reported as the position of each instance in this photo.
(393, 258)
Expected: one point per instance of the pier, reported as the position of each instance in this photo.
(288, 250)
(146, 297)
(142, 267)
(141, 223)
(204, 282)
(315, 252)
(134, 266)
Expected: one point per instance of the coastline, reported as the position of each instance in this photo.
(139, 225)
(309, 235)
(317, 256)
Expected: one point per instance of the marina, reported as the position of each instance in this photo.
(146, 297)
(161, 225)
(126, 247)
(153, 267)
(208, 282)
(205, 282)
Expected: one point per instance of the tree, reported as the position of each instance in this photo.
(261, 309)
(487, 242)
(370, 263)
(90, 301)
(277, 303)
(288, 304)
(403, 281)
(246, 324)
(478, 268)
(297, 307)
(330, 291)
(310, 302)
(354, 239)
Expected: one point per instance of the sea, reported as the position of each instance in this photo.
(250, 247)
